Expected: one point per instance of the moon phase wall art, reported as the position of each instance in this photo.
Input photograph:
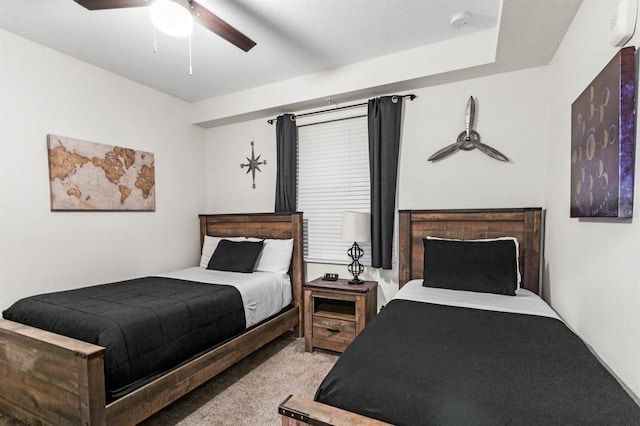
(603, 132)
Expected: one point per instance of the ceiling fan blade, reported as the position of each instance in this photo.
(491, 152)
(220, 27)
(111, 4)
(447, 150)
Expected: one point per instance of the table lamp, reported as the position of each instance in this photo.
(356, 227)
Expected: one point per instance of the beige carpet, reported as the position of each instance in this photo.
(249, 392)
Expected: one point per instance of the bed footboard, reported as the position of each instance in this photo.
(296, 411)
(50, 379)
(151, 398)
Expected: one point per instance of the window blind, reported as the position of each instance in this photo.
(333, 177)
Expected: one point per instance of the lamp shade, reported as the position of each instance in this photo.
(356, 226)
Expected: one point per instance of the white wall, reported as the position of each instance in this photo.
(43, 91)
(229, 187)
(511, 116)
(592, 273)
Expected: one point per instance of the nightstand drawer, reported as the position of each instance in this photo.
(334, 329)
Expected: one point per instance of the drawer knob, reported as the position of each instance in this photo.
(333, 330)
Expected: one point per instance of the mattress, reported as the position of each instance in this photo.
(263, 293)
(150, 325)
(435, 357)
(525, 301)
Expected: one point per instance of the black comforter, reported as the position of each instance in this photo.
(147, 325)
(424, 364)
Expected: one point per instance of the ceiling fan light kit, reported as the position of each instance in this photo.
(171, 18)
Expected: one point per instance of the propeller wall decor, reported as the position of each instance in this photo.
(200, 14)
(469, 139)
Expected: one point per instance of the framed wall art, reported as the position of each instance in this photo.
(91, 176)
(603, 129)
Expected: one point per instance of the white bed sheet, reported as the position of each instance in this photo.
(524, 302)
(263, 293)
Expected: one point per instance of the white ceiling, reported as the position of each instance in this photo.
(294, 37)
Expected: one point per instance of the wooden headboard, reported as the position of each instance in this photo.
(524, 224)
(263, 225)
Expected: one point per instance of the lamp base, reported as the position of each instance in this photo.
(355, 268)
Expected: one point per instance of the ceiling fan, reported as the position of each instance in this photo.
(201, 14)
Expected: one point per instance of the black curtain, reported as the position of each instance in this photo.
(384, 119)
(287, 148)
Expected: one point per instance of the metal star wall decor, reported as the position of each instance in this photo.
(253, 165)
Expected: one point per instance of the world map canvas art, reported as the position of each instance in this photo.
(92, 176)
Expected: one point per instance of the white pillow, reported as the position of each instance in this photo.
(210, 245)
(275, 256)
(515, 240)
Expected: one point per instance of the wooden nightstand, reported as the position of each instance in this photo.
(336, 312)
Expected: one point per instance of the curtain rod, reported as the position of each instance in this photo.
(410, 96)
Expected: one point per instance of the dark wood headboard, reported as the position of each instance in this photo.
(263, 225)
(524, 224)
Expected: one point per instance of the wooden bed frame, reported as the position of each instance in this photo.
(415, 225)
(52, 379)
(524, 224)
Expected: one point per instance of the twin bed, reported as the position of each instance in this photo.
(441, 354)
(163, 336)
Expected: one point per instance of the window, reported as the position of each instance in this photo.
(333, 177)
